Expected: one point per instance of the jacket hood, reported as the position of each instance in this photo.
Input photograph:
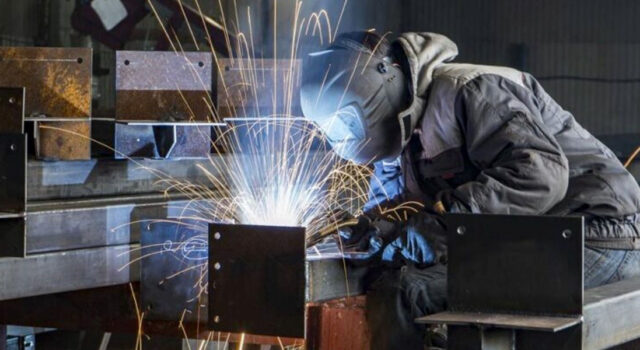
(424, 52)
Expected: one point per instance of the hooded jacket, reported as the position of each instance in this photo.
(491, 140)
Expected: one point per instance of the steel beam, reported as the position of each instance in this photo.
(110, 309)
(67, 271)
(108, 177)
(611, 314)
(65, 225)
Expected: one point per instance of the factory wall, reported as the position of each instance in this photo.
(562, 42)
(565, 43)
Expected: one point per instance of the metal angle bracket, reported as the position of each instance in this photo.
(162, 141)
(13, 173)
(257, 280)
(58, 90)
(504, 273)
(163, 104)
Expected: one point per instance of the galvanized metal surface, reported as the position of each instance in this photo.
(510, 264)
(257, 279)
(536, 323)
(242, 83)
(67, 271)
(611, 314)
(173, 274)
(58, 84)
(163, 86)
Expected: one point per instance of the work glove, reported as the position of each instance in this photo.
(421, 241)
(365, 239)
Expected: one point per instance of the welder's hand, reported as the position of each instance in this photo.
(365, 239)
(422, 241)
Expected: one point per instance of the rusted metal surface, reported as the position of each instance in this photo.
(64, 140)
(58, 85)
(258, 88)
(338, 325)
(163, 86)
(110, 309)
(57, 80)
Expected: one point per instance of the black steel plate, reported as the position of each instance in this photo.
(508, 263)
(173, 270)
(12, 109)
(260, 284)
(13, 172)
(12, 236)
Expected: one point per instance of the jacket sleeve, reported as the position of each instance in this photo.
(386, 185)
(522, 168)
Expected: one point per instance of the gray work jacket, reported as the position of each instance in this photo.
(491, 140)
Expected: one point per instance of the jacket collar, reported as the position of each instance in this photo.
(424, 52)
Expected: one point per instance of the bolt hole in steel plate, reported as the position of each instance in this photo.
(259, 284)
(509, 263)
(163, 86)
(58, 85)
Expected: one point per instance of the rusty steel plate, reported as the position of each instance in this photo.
(258, 88)
(163, 86)
(257, 279)
(57, 80)
(64, 140)
(58, 85)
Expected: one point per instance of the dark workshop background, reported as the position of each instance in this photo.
(586, 52)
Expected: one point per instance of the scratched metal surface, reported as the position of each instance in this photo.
(163, 86)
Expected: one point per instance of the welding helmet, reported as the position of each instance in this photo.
(353, 92)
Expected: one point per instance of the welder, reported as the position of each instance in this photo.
(459, 138)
